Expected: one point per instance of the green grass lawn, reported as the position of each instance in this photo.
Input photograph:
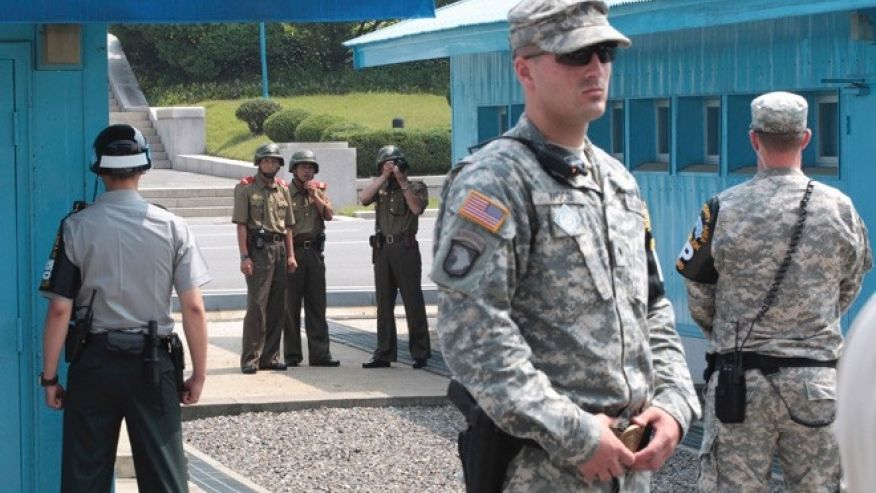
(229, 137)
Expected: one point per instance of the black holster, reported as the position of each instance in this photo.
(730, 393)
(484, 449)
(77, 337)
(178, 357)
(153, 372)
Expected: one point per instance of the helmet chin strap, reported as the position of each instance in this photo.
(269, 176)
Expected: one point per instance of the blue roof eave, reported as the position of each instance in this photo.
(632, 19)
(440, 44)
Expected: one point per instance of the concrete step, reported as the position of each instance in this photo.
(136, 118)
(156, 146)
(203, 212)
(148, 131)
(158, 193)
(165, 164)
(153, 140)
(159, 155)
(193, 202)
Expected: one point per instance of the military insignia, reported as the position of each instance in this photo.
(465, 248)
(567, 219)
(247, 180)
(484, 211)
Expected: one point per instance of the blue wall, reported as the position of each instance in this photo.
(62, 111)
(733, 63)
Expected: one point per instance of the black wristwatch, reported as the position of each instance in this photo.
(48, 382)
(244, 257)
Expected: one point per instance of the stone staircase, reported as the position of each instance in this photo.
(193, 202)
(140, 119)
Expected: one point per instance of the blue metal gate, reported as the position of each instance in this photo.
(11, 357)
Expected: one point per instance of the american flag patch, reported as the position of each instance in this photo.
(483, 211)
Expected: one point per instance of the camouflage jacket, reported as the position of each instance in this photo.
(544, 312)
(751, 235)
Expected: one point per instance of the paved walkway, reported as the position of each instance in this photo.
(227, 391)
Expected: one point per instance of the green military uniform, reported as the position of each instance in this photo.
(264, 207)
(398, 268)
(307, 283)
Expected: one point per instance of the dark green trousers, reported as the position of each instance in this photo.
(265, 306)
(102, 388)
(307, 285)
(397, 269)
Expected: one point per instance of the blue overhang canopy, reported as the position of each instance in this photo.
(191, 11)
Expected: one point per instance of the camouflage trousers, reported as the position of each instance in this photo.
(738, 457)
(532, 471)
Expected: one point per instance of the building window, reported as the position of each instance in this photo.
(663, 129)
(712, 130)
(827, 130)
(617, 130)
(492, 122)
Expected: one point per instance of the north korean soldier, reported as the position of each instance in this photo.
(396, 257)
(263, 215)
(770, 268)
(109, 284)
(311, 208)
(552, 313)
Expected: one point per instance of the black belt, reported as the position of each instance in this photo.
(766, 364)
(270, 236)
(390, 239)
(306, 244)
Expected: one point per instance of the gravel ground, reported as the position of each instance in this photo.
(393, 449)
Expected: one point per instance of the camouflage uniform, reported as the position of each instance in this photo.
(261, 205)
(544, 311)
(307, 283)
(398, 268)
(748, 241)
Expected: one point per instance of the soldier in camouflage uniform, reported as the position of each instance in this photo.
(551, 311)
(263, 214)
(311, 207)
(771, 310)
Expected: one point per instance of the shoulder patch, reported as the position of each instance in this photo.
(695, 261)
(465, 248)
(247, 180)
(283, 182)
(484, 211)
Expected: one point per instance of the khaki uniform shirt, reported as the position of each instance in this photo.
(751, 237)
(132, 255)
(260, 205)
(394, 217)
(544, 312)
(308, 223)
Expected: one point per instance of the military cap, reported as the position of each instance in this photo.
(562, 26)
(779, 113)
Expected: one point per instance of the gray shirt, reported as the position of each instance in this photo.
(131, 254)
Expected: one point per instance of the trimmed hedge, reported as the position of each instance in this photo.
(342, 131)
(312, 128)
(281, 126)
(427, 150)
(254, 112)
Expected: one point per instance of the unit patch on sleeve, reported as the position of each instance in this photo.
(484, 211)
(465, 248)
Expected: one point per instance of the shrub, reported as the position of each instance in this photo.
(254, 112)
(427, 150)
(312, 128)
(281, 126)
(341, 131)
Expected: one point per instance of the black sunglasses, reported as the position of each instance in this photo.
(605, 52)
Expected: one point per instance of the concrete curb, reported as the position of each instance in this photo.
(192, 451)
(334, 297)
(200, 411)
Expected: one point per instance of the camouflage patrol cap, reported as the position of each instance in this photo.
(561, 26)
(779, 113)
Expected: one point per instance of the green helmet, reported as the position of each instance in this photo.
(389, 153)
(268, 150)
(304, 156)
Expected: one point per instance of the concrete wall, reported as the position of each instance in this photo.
(182, 129)
(337, 168)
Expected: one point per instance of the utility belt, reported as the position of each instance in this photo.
(147, 346)
(730, 392)
(318, 244)
(486, 451)
(766, 364)
(258, 238)
(379, 240)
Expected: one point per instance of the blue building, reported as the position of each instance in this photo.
(678, 112)
(53, 101)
